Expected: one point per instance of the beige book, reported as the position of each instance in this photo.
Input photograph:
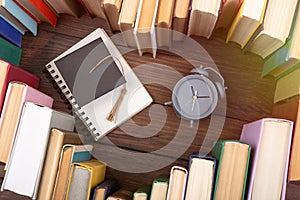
(204, 17)
(9, 120)
(200, 181)
(112, 9)
(164, 22)
(232, 171)
(177, 184)
(57, 139)
(127, 20)
(277, 24)
(180, 19)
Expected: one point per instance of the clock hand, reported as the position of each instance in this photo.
(202, 97)
(193, 91)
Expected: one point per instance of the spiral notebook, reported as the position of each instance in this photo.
(92, 75)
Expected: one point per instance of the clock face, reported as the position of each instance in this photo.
(194, 97)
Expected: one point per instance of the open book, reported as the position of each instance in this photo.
(93, 75)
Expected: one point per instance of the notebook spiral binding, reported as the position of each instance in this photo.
(55, 86)
(76, 108)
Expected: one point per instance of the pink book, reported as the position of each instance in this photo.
(276, 135)
(10, 117)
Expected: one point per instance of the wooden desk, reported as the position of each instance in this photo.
(249, 97)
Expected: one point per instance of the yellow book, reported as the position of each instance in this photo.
(84, 177)
(288, 87)
(247, 21)
(277, 25)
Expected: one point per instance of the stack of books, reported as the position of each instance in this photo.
(59, 166)
(255, 25)
(254, 167)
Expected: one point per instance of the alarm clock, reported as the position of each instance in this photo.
(196, 96)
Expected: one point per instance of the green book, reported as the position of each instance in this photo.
(285, 59)
(10, 52)
(142, 193)
(233, 160)
(160, 188)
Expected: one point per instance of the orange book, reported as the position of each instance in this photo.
(291, 111)
(39, 10)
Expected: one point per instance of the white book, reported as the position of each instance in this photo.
(93, 95)
(26, 161)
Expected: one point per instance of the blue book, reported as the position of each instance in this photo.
(105, 189)
(10, 33)
(9, 18)
(21, 15)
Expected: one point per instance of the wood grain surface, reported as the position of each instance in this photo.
(249, 98)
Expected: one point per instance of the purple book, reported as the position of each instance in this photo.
(270, 140)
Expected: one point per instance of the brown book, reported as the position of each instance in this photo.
(121, 195)
(180, 19)
(164, 22)
(291, 111)
(65, 7)
(229, 11)
(112, 9)
(94, 8)
(57, 140)
(127, 20)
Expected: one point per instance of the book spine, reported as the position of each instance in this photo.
(76, 108)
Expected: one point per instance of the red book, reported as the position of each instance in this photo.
(8, 73)
(38, 10)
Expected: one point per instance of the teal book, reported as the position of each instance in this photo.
(142, 193)
(160, 188)
(20, 15)
(233, 161)
(10, 52)
(287, 57)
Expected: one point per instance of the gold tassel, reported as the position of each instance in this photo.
(113, 113)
